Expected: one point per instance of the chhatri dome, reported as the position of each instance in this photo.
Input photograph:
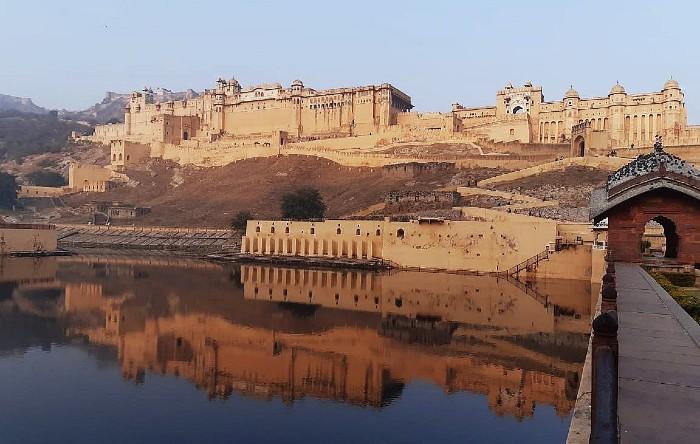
(617, 89)
(571, 94)
(671, 83)
(297, 82)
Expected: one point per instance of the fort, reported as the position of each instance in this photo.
(229, 123)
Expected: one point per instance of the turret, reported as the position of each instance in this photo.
(616, 117)
(673, 116)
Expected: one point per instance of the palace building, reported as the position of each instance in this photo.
(228, 122)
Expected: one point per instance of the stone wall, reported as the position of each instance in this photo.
(24, 238)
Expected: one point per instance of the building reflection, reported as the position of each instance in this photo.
(351, 336)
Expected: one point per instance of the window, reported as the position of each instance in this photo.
(272, 230)
(338, 231)
(400, 233)
(312, 231)
(357, 232)
(379, 232)
(257, 229)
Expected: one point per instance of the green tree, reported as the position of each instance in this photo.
(240, 220)
(304, 203)
(45, 178)
(8, 190)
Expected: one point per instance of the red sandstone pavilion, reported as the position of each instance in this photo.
(660, 187)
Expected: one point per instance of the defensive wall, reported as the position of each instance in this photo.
(488, 241)
(605, 163)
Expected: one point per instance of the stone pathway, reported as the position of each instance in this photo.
(659, 368)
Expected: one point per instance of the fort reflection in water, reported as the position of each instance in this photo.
(352, 336)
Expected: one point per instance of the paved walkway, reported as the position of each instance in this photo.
(659, 379)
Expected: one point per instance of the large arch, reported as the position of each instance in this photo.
(666, 241)
(580, 146)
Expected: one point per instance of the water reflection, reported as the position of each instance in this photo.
(351, 336)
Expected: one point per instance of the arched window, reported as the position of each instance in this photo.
(312, 230)
(400, 233)
(379, 232)
(257, 229)
(357, 232)
(286, 230)
(272, 230)
(185, 136)
(338, 231)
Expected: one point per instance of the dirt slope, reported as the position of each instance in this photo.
(211, 196)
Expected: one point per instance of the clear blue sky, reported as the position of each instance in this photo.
(66, 54)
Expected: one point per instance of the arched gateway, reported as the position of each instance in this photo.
(659, 187)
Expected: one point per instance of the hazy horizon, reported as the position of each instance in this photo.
(68, 55)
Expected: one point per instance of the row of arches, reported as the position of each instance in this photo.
(642, 128)
(355, 249)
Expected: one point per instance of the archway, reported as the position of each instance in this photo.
(185, 135)
(580, 145)
(660, 238)
(518, 109)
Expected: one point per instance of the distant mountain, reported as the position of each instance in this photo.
(21, 104)
(111, 109)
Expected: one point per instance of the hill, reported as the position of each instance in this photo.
(212, 196)
(20, 104)
(23, 134)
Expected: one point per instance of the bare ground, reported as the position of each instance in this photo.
(191, 196)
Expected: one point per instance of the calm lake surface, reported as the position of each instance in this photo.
(157, 349)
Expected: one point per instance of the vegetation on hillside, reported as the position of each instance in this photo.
(45, 178)
(23, 134)
(679, 286)
(8, 190)
(240, 220)
(304, 203)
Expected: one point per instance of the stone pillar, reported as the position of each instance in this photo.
(370, 253)
(244, 242)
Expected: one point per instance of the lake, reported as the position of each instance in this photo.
(119, 348)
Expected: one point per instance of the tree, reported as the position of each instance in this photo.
(304, 203)
(240, 220)
(8, 190)
(45, 178)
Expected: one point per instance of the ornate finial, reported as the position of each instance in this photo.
(658, 144)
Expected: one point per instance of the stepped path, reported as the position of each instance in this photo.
(147, 238)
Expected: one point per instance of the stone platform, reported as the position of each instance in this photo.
(659, 363)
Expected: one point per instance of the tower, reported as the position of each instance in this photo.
(674, 111)
(616, 115)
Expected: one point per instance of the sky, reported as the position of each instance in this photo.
(67, 54)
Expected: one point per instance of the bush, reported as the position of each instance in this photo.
(681, 279)
(46, 179)
(304, 203)
(687, 299)
(241, 219)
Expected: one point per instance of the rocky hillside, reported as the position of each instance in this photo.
(21, 104)
(24, 134)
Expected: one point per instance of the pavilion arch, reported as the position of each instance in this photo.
(670, 233)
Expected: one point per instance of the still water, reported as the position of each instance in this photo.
(155, 349)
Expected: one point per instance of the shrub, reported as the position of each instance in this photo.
(240, 220)
(304, 203)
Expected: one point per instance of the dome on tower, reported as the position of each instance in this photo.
(671, 83)
(297, 82)
(571, 94)
(617, 89)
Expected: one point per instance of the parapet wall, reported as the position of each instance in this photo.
(606, 163)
